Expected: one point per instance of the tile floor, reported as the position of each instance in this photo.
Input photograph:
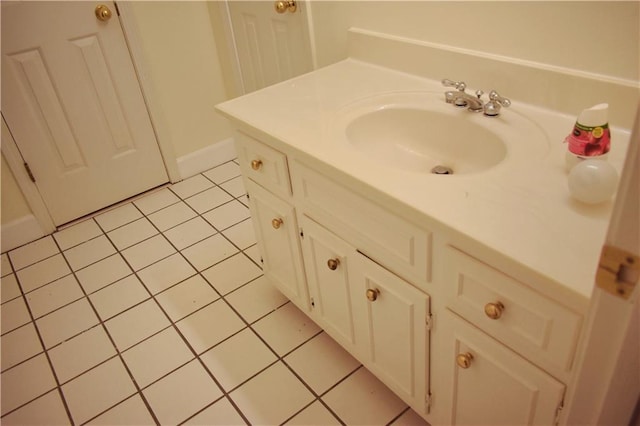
(156, 312)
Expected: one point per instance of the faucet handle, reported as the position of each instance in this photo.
(495, 97)
(460, 85)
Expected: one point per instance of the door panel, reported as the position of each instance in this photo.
(73, 103)
(271, 47)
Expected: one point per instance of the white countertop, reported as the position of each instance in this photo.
(521, 208)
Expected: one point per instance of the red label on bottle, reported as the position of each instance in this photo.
(589, 141)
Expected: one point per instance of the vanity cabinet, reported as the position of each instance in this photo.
(491, 385)
(457, 339)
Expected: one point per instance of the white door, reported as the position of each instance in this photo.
(72, 101)
(271, 47)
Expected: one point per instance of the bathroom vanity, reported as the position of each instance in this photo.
(466, 294)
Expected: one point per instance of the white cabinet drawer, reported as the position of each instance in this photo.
(393, 242)
(263, 164)
(539, 328)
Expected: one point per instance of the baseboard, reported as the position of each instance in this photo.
(206, 158)
(20, 232)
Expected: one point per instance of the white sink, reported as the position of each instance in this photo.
(420, 132)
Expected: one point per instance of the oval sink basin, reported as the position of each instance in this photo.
(419, 132)
(419, 140)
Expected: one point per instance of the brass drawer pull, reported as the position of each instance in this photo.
(333, 263)
(494, 310)
(277, 223)
(464, 360)
(256, 164)
(372, 294)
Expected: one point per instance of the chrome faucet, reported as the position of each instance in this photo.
(460, 98)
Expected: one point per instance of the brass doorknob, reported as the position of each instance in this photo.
(256, 164)
(372, 294)
(103, 13)
(464, 360)
(282, 6)
(494, 310)
(276, 223)
(333, 263)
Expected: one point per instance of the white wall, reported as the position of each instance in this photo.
(601, 37)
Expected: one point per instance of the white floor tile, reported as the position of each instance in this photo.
(119, 296)
(256, 299)
(209, 199)
(136, 324)
(33, 252)
(165, 273)
(241, 234)
(25, 382)
(75, 356)
(254, 253)
(127, 413)
(97, 390)
(189, 233)
(220, 413)
(19, 345)
(89, 252)
(103, 273)
(191, 186)
(156, 201)
(410, 418)
(47, 410)
(231, 273)
(286, 328)
(13, 315)
(171, 216)
(54, 295)
(223, 172)
(132, 233)
(9, 288)
(315, 414)
(77, 234)
(272, 396)
(321, 363)
(362, 399)
(43, 272)
(234, 187)
(148, 252)
(117, 217)
(182, 393)
(157, 356)
(238, 358)
(227, 214)
(209, 252)
(66, 322)
(5, 265)
(209, 326)
(186, 297)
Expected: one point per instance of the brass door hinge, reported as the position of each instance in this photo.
(29, 172)
(618, 271)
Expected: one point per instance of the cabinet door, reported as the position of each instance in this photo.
(276, 230)
(491, 385)
(327, 259)
(393, 316)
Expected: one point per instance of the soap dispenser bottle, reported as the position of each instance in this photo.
(590, 137)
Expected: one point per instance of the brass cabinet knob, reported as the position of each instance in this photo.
(283, 6)
(256, 164)
(372, 294)
(276, 223)
(494, 310)
(333, 263)
(464, 360)
(103, 13)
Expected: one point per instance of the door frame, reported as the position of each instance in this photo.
(133, 41)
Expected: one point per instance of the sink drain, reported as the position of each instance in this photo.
(442, 170)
